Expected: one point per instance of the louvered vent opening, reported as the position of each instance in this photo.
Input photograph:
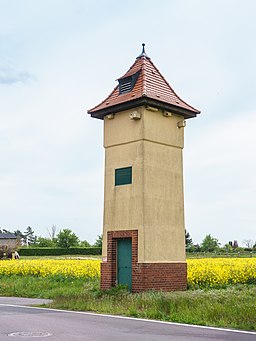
(127, 84)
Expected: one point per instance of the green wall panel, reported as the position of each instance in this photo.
(123, 176)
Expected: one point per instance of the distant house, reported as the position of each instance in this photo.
(9, 240)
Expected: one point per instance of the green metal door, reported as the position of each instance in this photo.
(124, 262)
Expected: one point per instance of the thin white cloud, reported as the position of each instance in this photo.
(9, 75)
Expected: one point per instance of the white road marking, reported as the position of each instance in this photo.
(30, 334)
(133, 318)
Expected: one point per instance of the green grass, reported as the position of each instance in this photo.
(62, 257)
(189, 255)
(40, 287)
(221, 255)
(233, 307)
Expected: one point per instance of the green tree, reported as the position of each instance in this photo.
(227, 247)
(84, 243)
(66, 238)
(5, 231)
(210, 243)
(29, 236)
(98, 242)
(188, 240)
(20, 236)
(45, 242)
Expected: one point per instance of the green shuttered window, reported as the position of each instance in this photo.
(123, 176)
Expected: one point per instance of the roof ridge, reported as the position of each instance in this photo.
(106, 99)
(144, 85)
(167, 83)
(128, 70)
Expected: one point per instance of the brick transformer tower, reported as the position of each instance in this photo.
(143, 229)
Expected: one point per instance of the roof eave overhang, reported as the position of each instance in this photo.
(140, 102)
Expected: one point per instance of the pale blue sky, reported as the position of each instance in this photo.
(59, 58)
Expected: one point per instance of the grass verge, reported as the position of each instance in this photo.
(232, 307)
(61, 257)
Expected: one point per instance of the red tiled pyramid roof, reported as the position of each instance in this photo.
(150, 89)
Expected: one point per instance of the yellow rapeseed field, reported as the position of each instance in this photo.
(51, 267)
(202, 272)
(220, 271)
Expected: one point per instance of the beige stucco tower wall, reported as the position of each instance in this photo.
(143, 229)
(153, 203)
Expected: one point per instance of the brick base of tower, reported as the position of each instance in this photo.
(150, 276)
(145, 276)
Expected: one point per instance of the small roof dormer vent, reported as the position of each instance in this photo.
(126, 84)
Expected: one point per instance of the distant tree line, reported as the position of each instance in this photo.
(65, 238)
(212, 244)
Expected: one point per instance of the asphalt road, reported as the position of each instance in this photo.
(28, 323)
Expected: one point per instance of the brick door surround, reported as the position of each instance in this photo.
(145, 276)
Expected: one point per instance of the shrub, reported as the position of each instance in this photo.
(49, 251)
